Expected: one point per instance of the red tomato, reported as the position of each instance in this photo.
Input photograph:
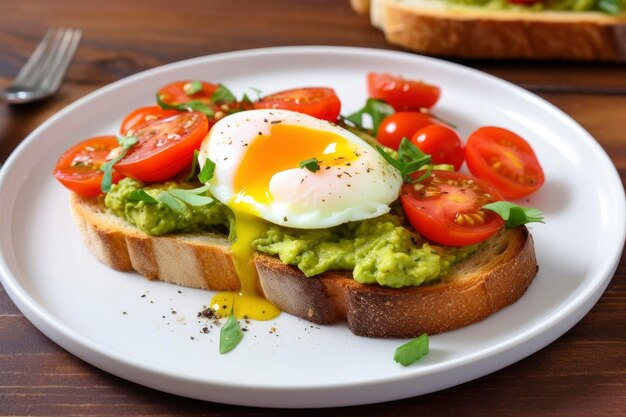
(447, 208)
(164, 147)
(400, 93)
(79, 167)
(442, 143)
(504, 160)
(402, 124)
(144, 115)
(176, 92)
(318, 102)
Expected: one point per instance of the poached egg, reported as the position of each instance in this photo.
(293, 170)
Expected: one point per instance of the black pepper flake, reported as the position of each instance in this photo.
(143, 296)
(205, 330)
(180, 292)
(260, 133)
(244, 329)
(285, 219)
(348, 164)
(265, 120)
(124, 313)
(192, 338)
(173, 311)
(327, 167)
(207, 313)
(275, 122)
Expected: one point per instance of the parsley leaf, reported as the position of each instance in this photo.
(126, 142)
(409, 160)
(196, 105)
(312, 164)
(412, 351)
(515, 215)
(376, 109)
(230, 334)
(192, 87)
(207, 172)
(223, 95)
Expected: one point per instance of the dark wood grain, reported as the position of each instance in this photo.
(581, 374)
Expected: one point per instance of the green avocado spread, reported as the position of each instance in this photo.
(607, 6)
(379, 250)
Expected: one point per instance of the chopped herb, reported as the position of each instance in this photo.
(412, 351)
(192, 87)
(172, 202)
(230, 334)
(610, 6)
(311, 164)
(191, 197)
(223, 95)
(376, 109)
(409, 160)
(207, 172)
(515, 215)
(194, 166)
(141, 195)
(126, 142)
(196, 105)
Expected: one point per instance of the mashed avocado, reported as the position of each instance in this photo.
(378, 250)
(159, 219)
(571, 5)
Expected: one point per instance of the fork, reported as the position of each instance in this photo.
(41, 76)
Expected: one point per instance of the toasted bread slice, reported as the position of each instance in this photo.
(480, 285)
(438, 28)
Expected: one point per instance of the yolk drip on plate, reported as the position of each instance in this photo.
(283, 149)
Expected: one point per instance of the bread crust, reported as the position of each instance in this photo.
(481, 33)
(476, 287)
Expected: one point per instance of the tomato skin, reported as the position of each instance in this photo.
(504, 160)
(174, 93)
(78, 167)
(446, 208)
(402, 124)
(402, 94)
(442, 143)
(164, 147)
(318, 102)
(144, 115)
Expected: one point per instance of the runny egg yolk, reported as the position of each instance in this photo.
(283, 149)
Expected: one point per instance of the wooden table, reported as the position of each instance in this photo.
(581, 374)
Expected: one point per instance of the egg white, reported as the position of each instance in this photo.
(300, 198)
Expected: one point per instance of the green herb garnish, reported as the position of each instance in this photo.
(312, 164)
(230, 334)
(376, 109)
(141, 195)
(207, 172)
(515, 215)
(410, 159)
(223, 95)
(126, 142)
(610, 6)
(196, 105)
(192, 87)
(412, 351)
(194, 166)
(176, 198)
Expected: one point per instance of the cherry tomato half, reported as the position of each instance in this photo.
(442, 143)
(79, 167)
(144, 115)
(447, 208)
(402, 94)
(504, 160)
(318, 102)
(178, 92)
(164, 147)
(402, 124)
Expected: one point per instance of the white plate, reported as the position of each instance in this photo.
(79, 303)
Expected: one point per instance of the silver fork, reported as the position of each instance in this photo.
(41, 76)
